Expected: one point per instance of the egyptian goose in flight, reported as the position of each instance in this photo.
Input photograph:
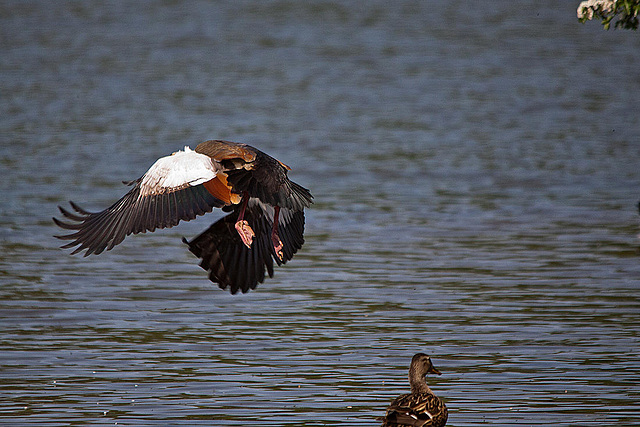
(266, 222)
(420, 407)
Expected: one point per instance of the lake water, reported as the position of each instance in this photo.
(476, 172)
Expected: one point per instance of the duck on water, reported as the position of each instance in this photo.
(421, 407)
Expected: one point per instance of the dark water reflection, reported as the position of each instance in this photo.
(476, 179)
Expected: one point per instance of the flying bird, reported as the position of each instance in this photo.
(265, 223)
(421, 407)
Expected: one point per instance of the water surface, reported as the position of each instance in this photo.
(476, 181)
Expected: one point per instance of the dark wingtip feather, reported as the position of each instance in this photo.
(302, 196)
(72, 216)
(62, 224)
(78, 209)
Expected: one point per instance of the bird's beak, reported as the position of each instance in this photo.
(433, 370)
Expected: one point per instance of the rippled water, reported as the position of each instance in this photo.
(476, 181)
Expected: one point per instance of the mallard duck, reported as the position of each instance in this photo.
(420, 407)
(266, 222)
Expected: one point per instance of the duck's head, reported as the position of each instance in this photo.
(422, 364)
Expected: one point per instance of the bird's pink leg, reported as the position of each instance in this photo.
(275, 239)
(242, 226)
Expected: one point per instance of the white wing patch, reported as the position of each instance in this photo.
(177, 171)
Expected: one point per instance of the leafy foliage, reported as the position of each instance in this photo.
(626, 12)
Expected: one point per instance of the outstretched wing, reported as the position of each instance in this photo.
(230, 263)
(173, 189)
